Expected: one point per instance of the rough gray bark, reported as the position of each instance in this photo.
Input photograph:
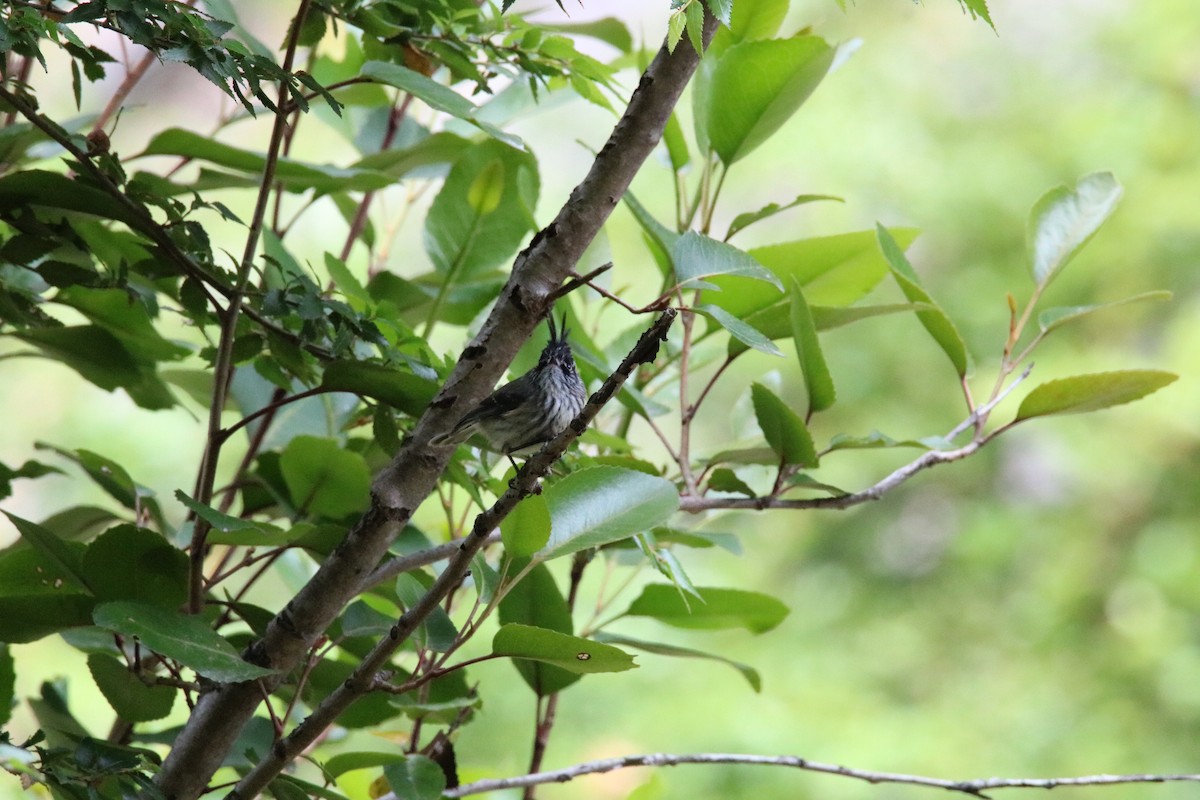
(221, 713)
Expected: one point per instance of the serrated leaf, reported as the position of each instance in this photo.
(783, 428)
(1053, 318)
(527, 527)
(658, 648)
(598, 505)
(675, 25)
(572, 653)
(1081, 393)
(739, 330)
(695, 26)
(818, 381)
(186, 639)
(720, 608)
(1064, 219)
(935, 321)
(745, 220)
(698, 257)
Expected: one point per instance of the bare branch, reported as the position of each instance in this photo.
(975, 788)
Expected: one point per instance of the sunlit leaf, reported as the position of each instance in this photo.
(658, 648)
(1053, 318)
(526, 529)
(1064, 219)
(785, 431)
(717, 609)
(598, 505)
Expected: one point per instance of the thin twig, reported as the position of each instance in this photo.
(577, 281)
(975, 788)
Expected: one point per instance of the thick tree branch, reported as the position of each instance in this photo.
(222, 713)
(975, 788)
(363, 679)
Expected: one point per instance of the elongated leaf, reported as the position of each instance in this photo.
(348, 762)
(1053, 318)
(527, 528)
(8, 682)
(437, 632)
(184, 638)
(658, 648)
(436, 96)
(876, 440)
(724, 479)
(933, 319)
(598, 505)
(677, 149)
(571, 653)
(35, 187)
(742, 221)
(721, 608)
(775, 322)
(324, 479)
(753, 88)
(741, 331)
(698, 257)
(125, 318)
(415, 778)
(818, 381)
(133, 700)
(395, 385)
(90, 350)
(785, 431)
(834, 271)
(1080, 393)
(295, 176)
(659, 238)
(1064, 219)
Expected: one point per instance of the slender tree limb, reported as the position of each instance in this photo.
(221, 714)
(527, 481)
(975, 788)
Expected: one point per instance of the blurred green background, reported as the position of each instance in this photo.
(1032, 611)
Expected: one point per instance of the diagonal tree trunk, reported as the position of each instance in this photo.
(221, 713)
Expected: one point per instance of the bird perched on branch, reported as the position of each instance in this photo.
(531, 409)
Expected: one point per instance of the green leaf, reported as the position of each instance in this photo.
(877, 440)
(435, 150)
(482, 212)
(527, 528)
(38, 187)
(348, 762)
(437, 631)
(62, 555)
(598, 505)
(721, 608)
(834, 271)
(225, 523)
(132, 699)
(91, 351)
(131, 563)
(677, 149)
(697, 257)
(571, 653)
(723, 479)
(675, 26)
(436, 96)
(609, 29)
(695, 26)
(536, 600)
(745, 220)
(749, 673)
(939, 325)
(393, 385)
(821, 394)
(38, 596)
(978, 9)
(785, 431)
(344, 279)
(753, 88)
(295, 176)
(720, 9)
(1081, 393)
(183, 638)
(1064, 219)
(1053, 318)
(775, 322)
(124, 317)
(659, 237)
(741, 331)
(415, 778)
(30, 469)
(324, 479)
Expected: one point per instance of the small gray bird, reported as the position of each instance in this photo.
(531, 409)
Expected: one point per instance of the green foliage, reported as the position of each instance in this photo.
(185, 278)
